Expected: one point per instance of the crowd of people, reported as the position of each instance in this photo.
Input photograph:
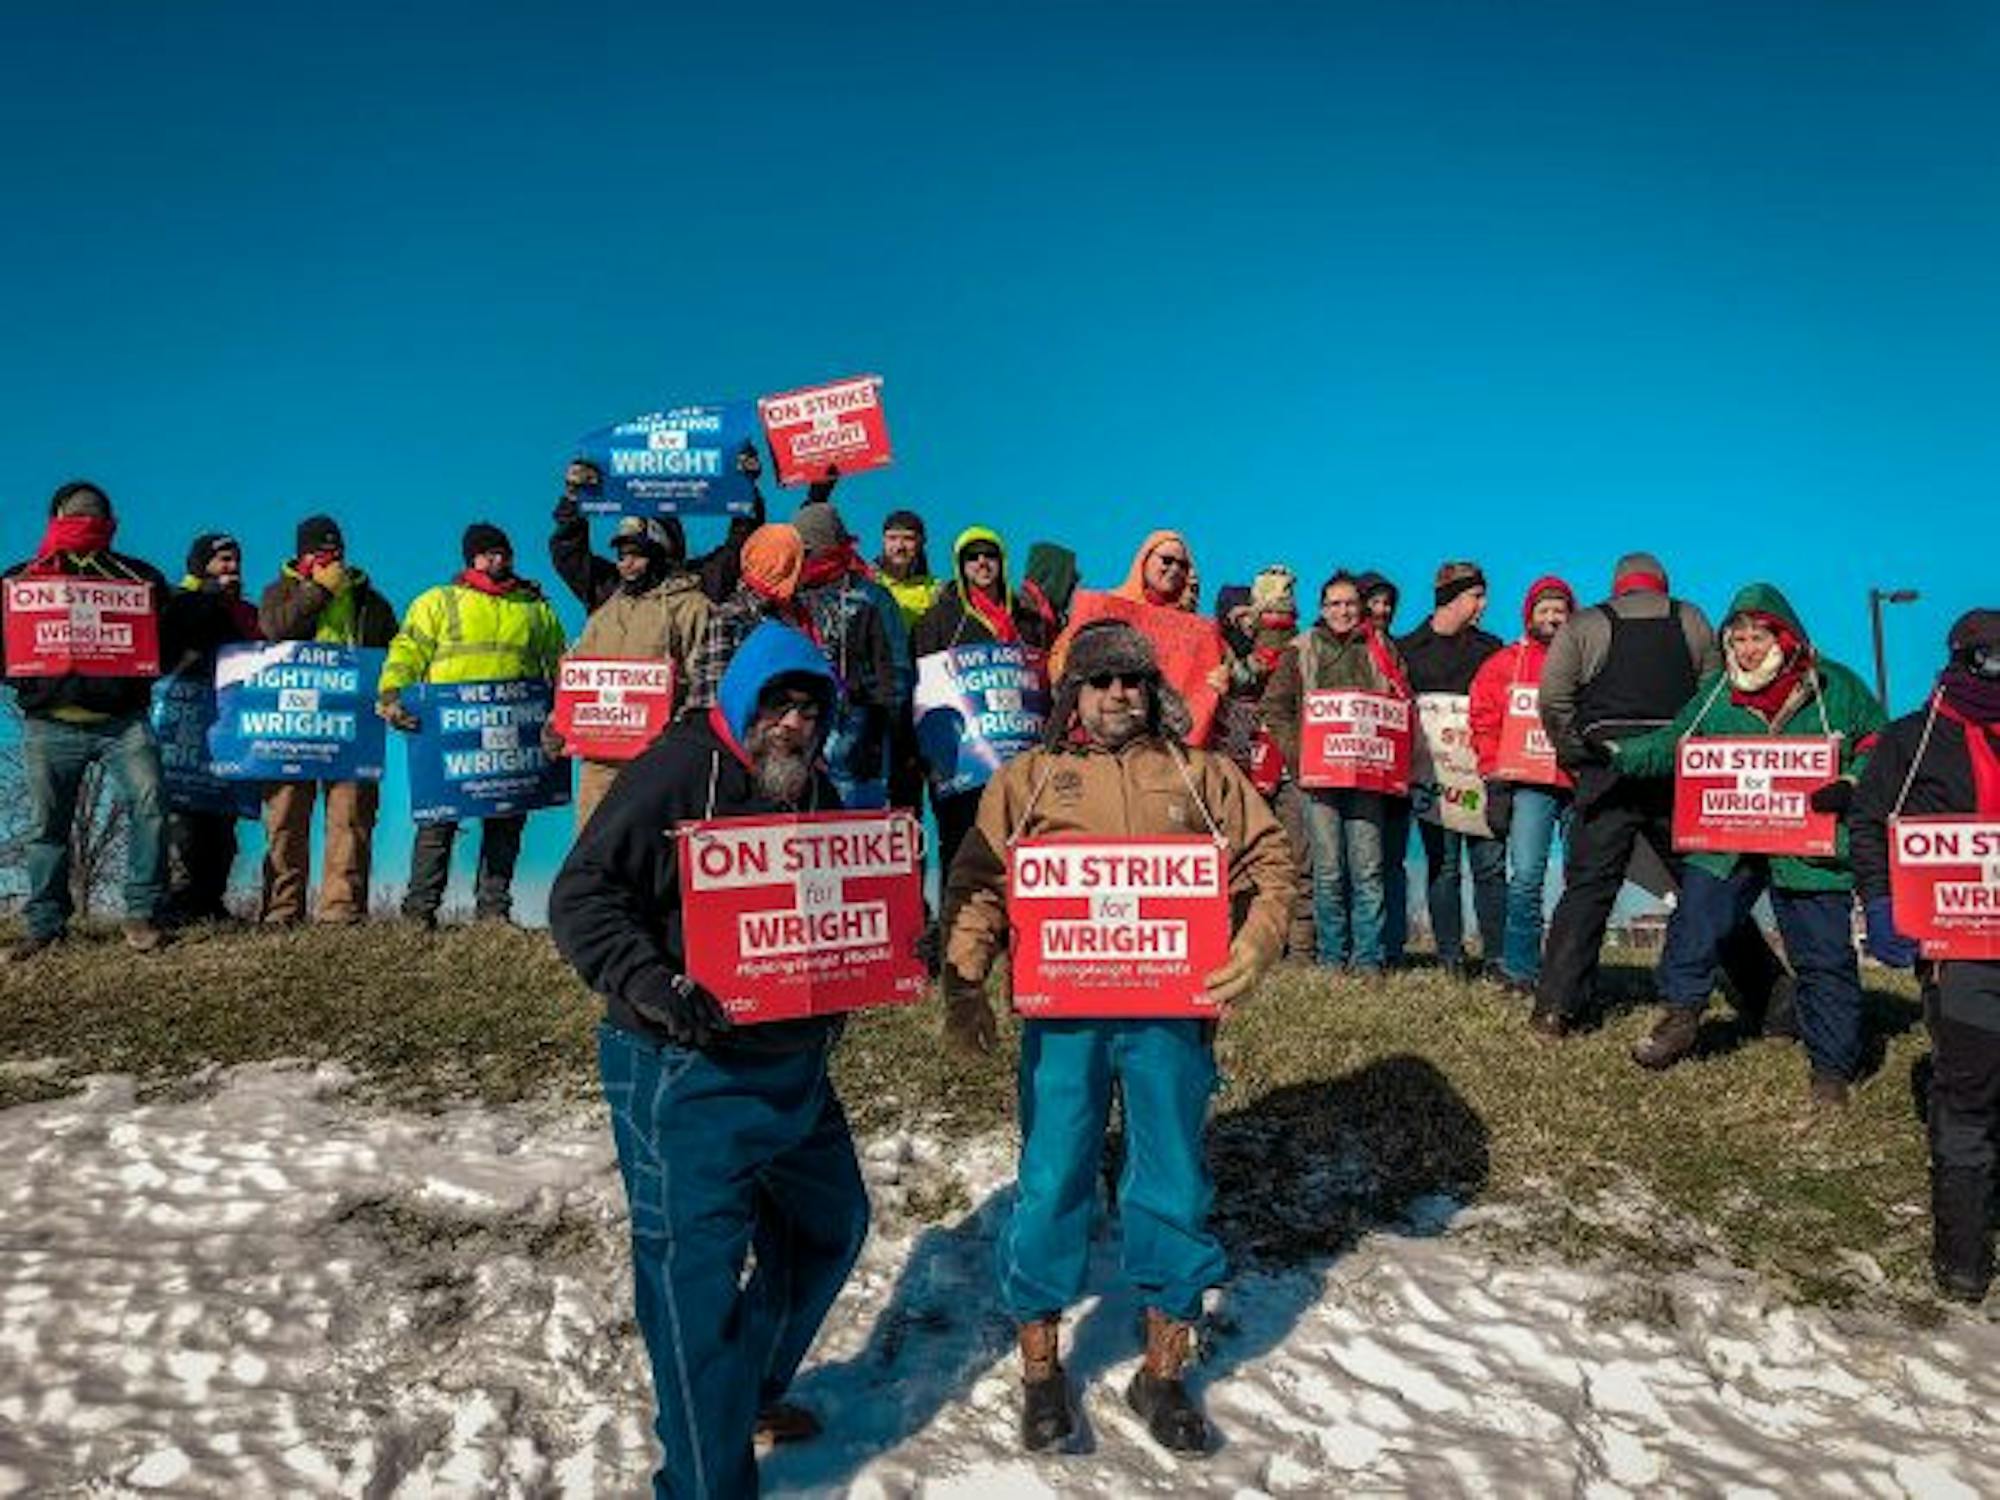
(797, 658)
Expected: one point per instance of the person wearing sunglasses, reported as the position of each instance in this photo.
(1944, 760)
(1115, 763)
(746, 1119)
(979, 606)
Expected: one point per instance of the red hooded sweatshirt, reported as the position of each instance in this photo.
(1518, 664)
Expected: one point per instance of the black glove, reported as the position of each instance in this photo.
(1499, 807)
(821, 490)
(568, 509)
(1603, 749)
(1835, 797)
(687, 1013)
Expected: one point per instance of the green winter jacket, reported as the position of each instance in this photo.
(1830, 700)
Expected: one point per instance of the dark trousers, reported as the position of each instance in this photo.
(728, 1156)
(430, 868)
(1444, 852)
(955, 816)
(1612, 814)
(201, 848)
(1395, 879)
(1962, 1007)
(1818, 929)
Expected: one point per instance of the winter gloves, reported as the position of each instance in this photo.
(389, 708)
(1887, 945)
(331, 576)
(1835, 797)
(1499, 807)
(1251, 952)
(970, 1028)
(687, 1013)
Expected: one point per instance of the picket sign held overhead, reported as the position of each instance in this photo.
(58, 625)
(1752, 795)
(477, 752)
(1110, 927)
(1944, 884)
(686, 461)
(611, 708)
(1355, 741)
(804, 915)
(297, 711)
(840, 425)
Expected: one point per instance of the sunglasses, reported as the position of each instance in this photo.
(800, 706)
(981, 554)
(1168, 560)
(1102, 681)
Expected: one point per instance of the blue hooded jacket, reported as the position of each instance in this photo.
(769, 652)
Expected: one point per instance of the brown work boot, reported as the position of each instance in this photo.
(786, 1422)
(1157, 1392)
(1671, 1039)
(1045, 1415)
(142, 936)
(1829, 1091)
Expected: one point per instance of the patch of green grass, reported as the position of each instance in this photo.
(1345, 1104)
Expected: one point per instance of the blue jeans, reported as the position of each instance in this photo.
(722, 1153)
(1818, 930)
(54, 756)
(1167, 1073)
(1445, 895)
(1530, 836)
(1395, 878)
(1345, 828)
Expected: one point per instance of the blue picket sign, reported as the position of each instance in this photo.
(183, 713)
(297, 711)
(682, 462)
(977, 707)
(477, 752)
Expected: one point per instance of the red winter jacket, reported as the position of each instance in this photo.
(1519, 663)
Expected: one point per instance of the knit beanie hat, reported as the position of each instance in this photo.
(483, 536)
(1975, 629)
(641, 534)
(1275, 589)
(80, 498)
(1372, 583)
(202, 550)
(906, 520)
(318, 534)
(819, 526)
(1638, 570)
(773, 557)
(1454, 579)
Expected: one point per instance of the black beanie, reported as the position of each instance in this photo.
(319, 534)
(60, 502)
(906, 520)
(202, 550)
(483, 536)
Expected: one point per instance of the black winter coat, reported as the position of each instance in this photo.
(113, 697)
(1942, 786)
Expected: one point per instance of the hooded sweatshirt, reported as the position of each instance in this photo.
(1827, 698)
(1134, 586)
(1517, 665)
(615, 909)
(954, 621)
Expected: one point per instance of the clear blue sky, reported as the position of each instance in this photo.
(1358, 284)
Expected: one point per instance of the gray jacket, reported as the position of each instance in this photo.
(1583, 645)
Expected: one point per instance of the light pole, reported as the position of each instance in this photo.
(1876, 599)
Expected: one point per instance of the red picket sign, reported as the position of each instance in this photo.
(1116, 926)
(1189, 648)
(1355, 740)
(1944, 884)
(1527, 755)
(840, 425)
(1750, 795)
(58, 625)
(805, 915)
(611, 708)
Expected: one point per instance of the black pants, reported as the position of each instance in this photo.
(201, 848)
(955, 816)
(430, 868)
(1612, 814)
(1962, 1007)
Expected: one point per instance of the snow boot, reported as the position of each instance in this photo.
(1157, 1392)
(1045, 1414)
(1671, 1039)
(1961, 1203)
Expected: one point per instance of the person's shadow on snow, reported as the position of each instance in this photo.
(1302, 1173)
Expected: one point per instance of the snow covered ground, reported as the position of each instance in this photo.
(271, 1289)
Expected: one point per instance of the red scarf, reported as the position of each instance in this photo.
(1985, 758)
(830, 565)
(472, 578)
(72, 534)
(723, 732)
(999, 619)
(1768, 701)
(1384, 658)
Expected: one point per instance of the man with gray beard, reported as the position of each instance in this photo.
(730, 1138)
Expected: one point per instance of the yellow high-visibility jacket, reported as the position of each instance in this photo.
(457, 634)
